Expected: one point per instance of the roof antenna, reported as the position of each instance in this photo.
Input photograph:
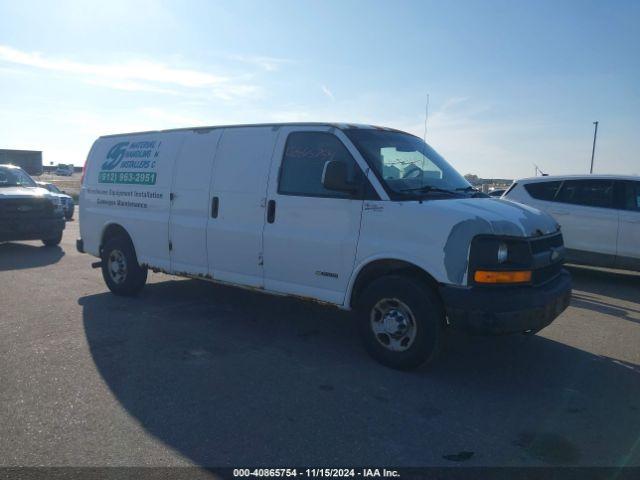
(426, 117)
(539, 171)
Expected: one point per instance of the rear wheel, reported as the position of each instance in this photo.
(53, 241)
(120, 268)
(401, 322)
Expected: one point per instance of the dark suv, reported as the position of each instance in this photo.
(28, 212)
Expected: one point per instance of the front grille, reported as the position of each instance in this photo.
(19, 208)
(539, 245)
(544, 274)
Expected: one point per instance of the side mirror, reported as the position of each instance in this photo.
(334, 177)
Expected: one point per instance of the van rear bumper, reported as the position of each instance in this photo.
(504, 309)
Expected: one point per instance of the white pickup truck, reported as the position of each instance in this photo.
(360, 217)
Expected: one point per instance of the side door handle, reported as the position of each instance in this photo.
(271, 211)
(559, 212)
(215, 202)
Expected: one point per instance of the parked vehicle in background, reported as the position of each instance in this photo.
(359, 217)
(498, 192)
(28, 212)
(64, 170)
(67, 201)
(599, 214)
(29, 160)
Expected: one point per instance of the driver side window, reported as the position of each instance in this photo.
(303, 163)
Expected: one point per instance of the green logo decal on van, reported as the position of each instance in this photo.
(138, 158)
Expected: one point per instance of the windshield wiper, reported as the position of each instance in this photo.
(473, 190)
(429, 188)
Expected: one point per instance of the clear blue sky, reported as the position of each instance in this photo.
(511, 83)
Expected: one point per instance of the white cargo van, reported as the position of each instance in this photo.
(361, 217)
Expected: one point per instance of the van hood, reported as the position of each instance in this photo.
(23, 192)
(502, 217)
(437, 234)
(469, 217)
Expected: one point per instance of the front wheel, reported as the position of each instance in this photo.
(401, 322)
(53, 241)
(120, 269)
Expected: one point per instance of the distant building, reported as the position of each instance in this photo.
(29, 160)
(488, 184)
(52, 168)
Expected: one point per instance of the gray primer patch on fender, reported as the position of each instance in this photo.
(456, 250)
(507, 227)
(530, 222)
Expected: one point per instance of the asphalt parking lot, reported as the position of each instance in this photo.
(194, 373)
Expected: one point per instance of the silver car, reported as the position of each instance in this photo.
(67, 201)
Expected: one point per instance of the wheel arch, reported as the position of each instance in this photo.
(111, 230)
(376, 268)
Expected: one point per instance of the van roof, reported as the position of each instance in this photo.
(341, 126)
(588, 176)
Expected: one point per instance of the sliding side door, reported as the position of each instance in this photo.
(237, 204)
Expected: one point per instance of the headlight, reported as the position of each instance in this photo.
(500, 260)
(503, 252)
(489, 251)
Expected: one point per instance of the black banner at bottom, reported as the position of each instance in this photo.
(435, 473)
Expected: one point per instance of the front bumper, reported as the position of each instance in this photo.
(506, 309)
(30, 229)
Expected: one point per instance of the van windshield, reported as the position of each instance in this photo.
(407, 165)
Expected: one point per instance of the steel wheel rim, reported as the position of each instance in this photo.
(393, 324)
(117, 266)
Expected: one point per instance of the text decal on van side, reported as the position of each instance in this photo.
(130, 163)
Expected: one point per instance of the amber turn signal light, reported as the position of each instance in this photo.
(520, 276)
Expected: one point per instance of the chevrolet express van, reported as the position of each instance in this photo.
(360, 217)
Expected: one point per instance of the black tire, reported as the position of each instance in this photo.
(53, 241)
(408, 299)
(129, 279)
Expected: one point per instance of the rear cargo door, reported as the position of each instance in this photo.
(127, 182)
(190, 202)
